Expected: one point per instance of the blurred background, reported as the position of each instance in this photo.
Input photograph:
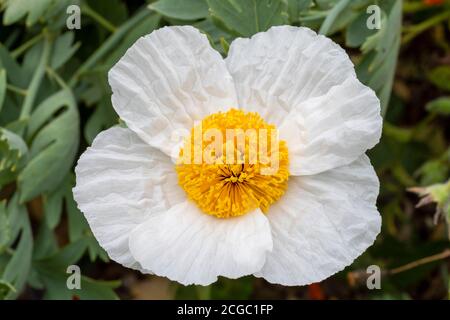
(55, 98)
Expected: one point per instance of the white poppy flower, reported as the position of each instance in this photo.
(192, 223)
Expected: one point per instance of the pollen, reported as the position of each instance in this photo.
(232, 163)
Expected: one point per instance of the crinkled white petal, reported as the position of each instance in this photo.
(168, 80)
(121, 180)
(332, 130)
(191, 247)
(275, 71)
(306, 85)
(322, 224)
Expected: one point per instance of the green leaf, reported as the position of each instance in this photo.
(377, 68)
(52, 272)
(5, 231)
(13, 152)
(53, 207)
(16, 213)
(5, 289)
(433, 171)
(17, 9)
(440, 77)
(440, 106)
(63, 50)
(144, 27)
(67, 256)
(332, 16)
(247, 17)
(2, 87)
(357, 32)
(56, 288)
(15, 74)
(102, 118)
(45, 243)
(215, 35)
(55, 128)
(115, 11)
(181, 9)
(95, 250)
(225, 45)
(295, 7)
(77, 223)
(17, 269)
(107, 45)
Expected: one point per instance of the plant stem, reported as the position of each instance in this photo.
(24, 47)
(411, 7)
(413, 31)
(36, 81)
(97, 17)
(53, 74)
(15, 89)
(109, 43)
(440, 256)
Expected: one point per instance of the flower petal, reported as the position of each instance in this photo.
(277, 70)
(306, 85)
(322, 224)
(166, 81)
(121, 181)
(332, 130)
(191, 247)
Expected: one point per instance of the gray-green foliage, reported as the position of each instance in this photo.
(54, 99)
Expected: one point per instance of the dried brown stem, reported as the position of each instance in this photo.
(443, 255)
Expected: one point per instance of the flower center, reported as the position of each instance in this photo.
(232, 163)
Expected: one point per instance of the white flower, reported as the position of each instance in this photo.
(136, 199)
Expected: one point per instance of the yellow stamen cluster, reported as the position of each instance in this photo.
(243, 173)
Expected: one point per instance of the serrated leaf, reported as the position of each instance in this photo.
(63, 50)
(17, 9)
(13, 154)
(181, 9)
(55, 128)
(433, 171)
(17, 269)
(247, 17)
